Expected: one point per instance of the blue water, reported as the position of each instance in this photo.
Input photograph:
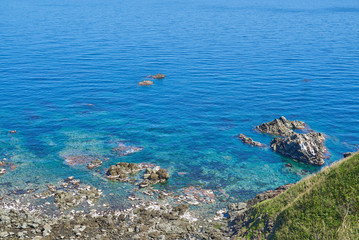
(230, 66)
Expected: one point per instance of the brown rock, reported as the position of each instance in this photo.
(145, 83)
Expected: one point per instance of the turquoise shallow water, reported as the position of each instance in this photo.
(230, 66)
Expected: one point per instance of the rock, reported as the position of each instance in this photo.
(159, 76)
(153, 176)
(250, 141)
(348, 154)
(268, 195)
(51, 188)
(4, 234)
(288, 165)
(163, 174)
(124, 150)
(2, 171)
(281, 126)
(121, 170)
(94, 163)
(74, 194)
(308, 148)
(145, 83)
(46, 230)
(196, 195)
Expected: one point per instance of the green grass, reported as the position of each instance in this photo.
(321, 206)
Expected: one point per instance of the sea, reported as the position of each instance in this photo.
(69, 74)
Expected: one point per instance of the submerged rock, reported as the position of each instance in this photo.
(196, 195)
(250, 141)
(281, 126)
(77, 160)
(94, 163)
(124, 150)
(308, 148)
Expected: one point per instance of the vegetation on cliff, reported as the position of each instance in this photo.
(321, 206)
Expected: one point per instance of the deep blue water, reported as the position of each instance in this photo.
(230, 66)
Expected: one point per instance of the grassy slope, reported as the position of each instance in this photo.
(322, 206)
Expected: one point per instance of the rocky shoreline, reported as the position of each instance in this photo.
(69, 210)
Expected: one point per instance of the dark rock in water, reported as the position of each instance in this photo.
(348, 154)
(2, 171)
(308, 148)
(250, 141)
(281, 126)
(288, 165)
(94, 163)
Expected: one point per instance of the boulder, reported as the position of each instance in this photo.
(308, 148)
(281, 126)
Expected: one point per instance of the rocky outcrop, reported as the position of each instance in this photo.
(280, 126)
(268, 194)
(121, 170)
(153, 176)
(250, 141)
(239, 213)
(304, 147)
(308, 148)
